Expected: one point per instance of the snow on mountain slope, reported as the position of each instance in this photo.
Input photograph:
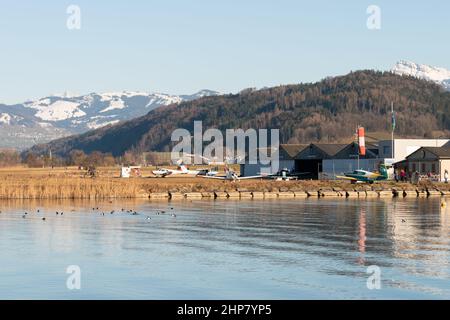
(77, 113)
(65, 114)
(114, 104)
(164, 99)
(440, 76)
(60, 110)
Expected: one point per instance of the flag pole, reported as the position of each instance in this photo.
(357, 139)
(393, 128)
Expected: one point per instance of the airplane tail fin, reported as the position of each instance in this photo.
(383, 171)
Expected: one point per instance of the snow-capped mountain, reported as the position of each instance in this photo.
(59, 115)
(440, 76)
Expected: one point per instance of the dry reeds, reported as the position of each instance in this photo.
(70, 188)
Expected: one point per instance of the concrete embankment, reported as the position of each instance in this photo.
(366, 193)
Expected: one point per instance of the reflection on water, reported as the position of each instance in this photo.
(226, 250)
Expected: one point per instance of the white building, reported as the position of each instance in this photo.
(405, 147)
(430, 161)
(325, 161)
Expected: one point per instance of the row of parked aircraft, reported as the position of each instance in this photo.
(182, 169)
(230, 174)
(205, 173)
(357, 176)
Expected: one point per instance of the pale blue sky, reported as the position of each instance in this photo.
(177, 47)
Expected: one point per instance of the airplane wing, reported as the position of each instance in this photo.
(346, 178)
(251, 177)
(237, 178)
(279, 178)
(215, 177)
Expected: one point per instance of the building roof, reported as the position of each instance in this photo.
(319, 151)
(293, 149)
(442, 152)
(286, 151)
(371, 146)
(439, 152)
(351, 151)
(330, 149)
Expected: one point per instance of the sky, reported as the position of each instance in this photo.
(182, 46)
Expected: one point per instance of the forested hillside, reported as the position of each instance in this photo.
(327, 111)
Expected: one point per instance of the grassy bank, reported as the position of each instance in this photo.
(71, 183)
(68, 188)
(65, 183)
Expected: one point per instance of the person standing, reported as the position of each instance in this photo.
(402, 175)
(417, 179)
(446, 176)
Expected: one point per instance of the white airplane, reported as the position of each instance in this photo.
(182, 169)
(232, 176)
(208, 161)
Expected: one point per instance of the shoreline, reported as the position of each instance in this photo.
(320, 194)
(199, 188)
(70, 183)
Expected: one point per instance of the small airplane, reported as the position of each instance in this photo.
(366, 176)
(162, 173)
(230, 175)
(208, 161)
(208, 172)
(182, 169)
(286, 175)
(214, 161)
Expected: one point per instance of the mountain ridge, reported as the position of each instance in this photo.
(60, 115)
(440, 76)
(55, 116)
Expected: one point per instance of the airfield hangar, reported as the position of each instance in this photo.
(326, 161)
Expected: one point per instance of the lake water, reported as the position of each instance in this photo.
(280, 249)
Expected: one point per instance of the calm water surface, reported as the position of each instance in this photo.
(299, 249)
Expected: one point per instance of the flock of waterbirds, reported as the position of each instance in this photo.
(102, 213)
(134, 212)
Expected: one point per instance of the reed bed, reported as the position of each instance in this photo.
(70, 188)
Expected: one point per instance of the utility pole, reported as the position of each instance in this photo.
(393, 128)
(357, 139)
(50, 157)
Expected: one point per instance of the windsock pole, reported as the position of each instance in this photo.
(361, 143)
(357, 140)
